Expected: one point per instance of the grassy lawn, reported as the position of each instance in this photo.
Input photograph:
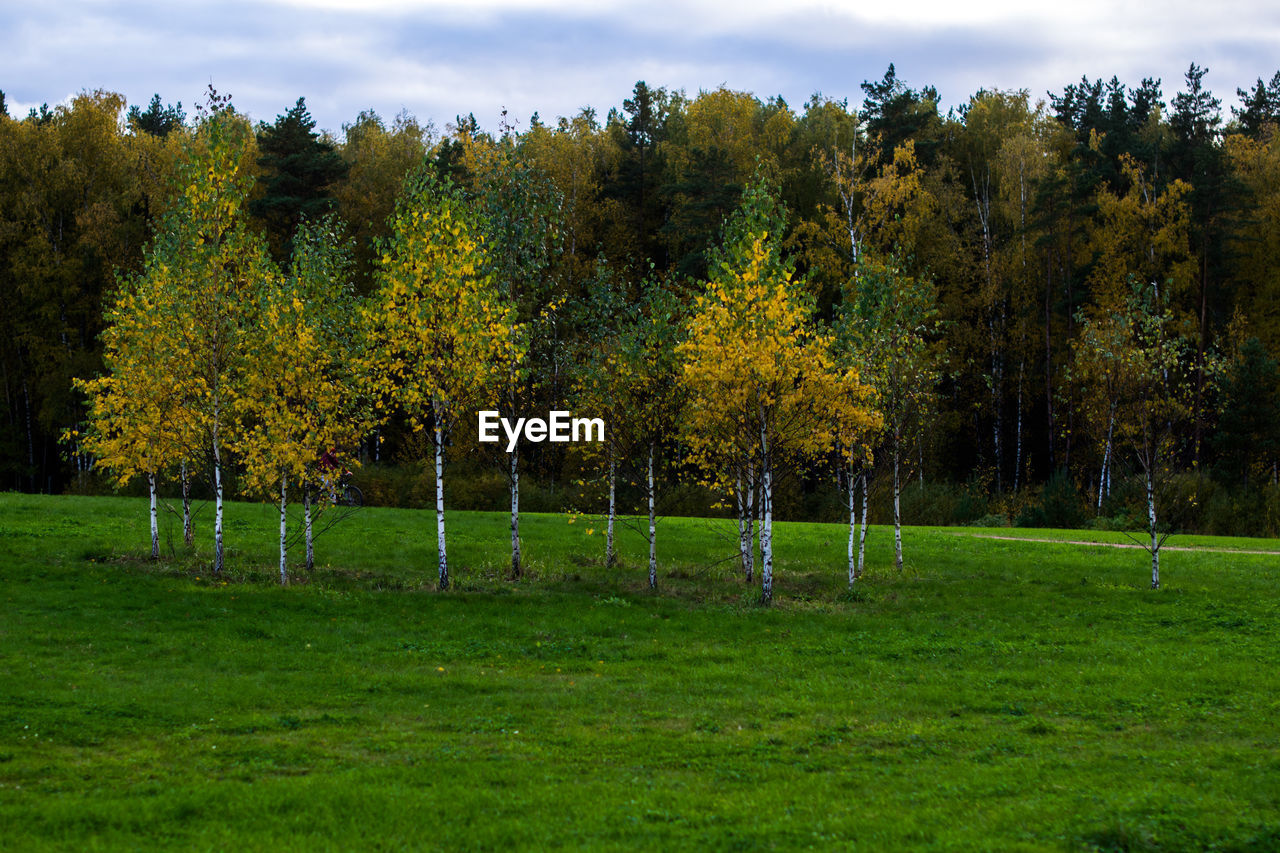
(993, 695)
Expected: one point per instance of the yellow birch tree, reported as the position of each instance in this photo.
(443, 334)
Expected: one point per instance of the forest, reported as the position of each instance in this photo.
(1050, 312)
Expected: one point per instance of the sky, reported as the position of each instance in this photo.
(437, 59)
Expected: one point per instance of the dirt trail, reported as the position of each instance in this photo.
(1119, 544)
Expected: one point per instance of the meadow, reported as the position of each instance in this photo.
(993, 695)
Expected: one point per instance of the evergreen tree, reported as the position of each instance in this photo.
(158, 120)
(301, 170)
(1260, 107)
(1247, 441)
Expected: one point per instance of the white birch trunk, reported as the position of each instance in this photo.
(515, 514)
(897, 510)
(188, 535)
(1155, 541)
(653, 528)
(766, 522)
(745, 514)
(217, 506)
(862, 528)
(440, 549)
(610, 556)
(155, 522)
(740, 507)
(752, 502)
(1017, 456)
(853, 522)
(284, 546)
(306, 517)
(1104, 475)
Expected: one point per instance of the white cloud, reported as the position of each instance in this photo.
(439, 58)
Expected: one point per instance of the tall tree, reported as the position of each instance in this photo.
(157, 119)
(1196, 157)
(519, 213)
(304, 387)
(300, 171)
(1259, 108)
(759, 371)
(445, 333)
(896, 313)
(219, 268)
(638, 134)
(1140, 360)
(378, 158)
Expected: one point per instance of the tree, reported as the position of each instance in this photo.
(218, 267)
(444, 331)
(301, 170)
(1138, 358)
(758, 370)
(1247, 440)
(157, 120)
(894, 114)
(135, 423)
(519, 212)
(1260, 108)
(1196, 156)
(629, 375)
(887, 320)
(635, 185)
(72, 212)
(378, 159)
(1142, 235)
(304, 388)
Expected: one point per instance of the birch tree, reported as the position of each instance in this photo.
(889, 314)
(219, 264)
(759, 371)
(1149, 367)
(176, 330)
(305, 385)
(520, 221)
(134, 423)
(444, 332)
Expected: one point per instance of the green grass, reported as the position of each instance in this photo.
(994, 695)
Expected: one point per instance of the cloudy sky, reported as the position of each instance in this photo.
(440, 58)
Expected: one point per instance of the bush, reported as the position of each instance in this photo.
(1059, 505)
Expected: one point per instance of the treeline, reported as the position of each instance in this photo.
(1032, 223)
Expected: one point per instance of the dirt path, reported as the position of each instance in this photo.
(1119, 544)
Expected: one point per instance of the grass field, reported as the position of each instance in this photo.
(994, 695)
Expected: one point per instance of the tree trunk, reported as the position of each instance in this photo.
(753, 503)
(1017, 456)
(1104, 478)
(440, 549)
(516, 568)
(745, 496)
(188, 535)
(31, 445)
(610, 557)
(1048, 353)
(155, 524)
(306, 517)
(217, 506)
(1155, 540)
(862, 529)
(284, 546)
(653, 528)
(766, 522)
(897, 508)
(997, 440)
(853, 522)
